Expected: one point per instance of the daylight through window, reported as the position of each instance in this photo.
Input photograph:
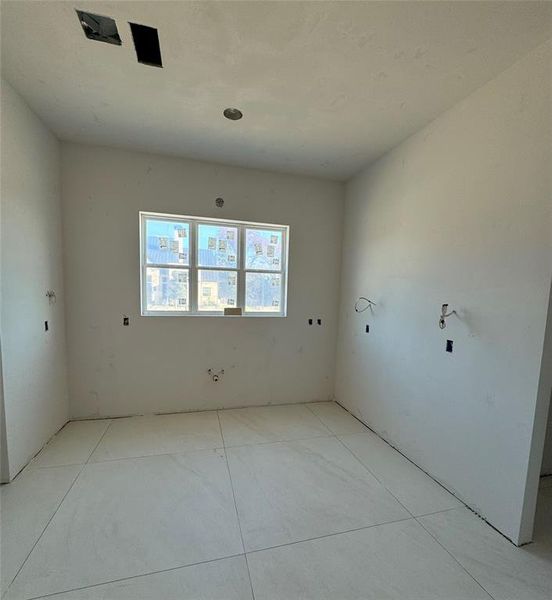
(196, 266)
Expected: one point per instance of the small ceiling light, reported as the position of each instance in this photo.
(233, 114)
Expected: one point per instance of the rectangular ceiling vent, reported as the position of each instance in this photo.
(146, 42)
(101, 29)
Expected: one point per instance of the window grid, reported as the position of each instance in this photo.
(193, 268)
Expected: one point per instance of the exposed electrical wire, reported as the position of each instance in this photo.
(444, 315)
(369, 304)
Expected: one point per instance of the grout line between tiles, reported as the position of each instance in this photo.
(337, 436)
(401, 453)
(285, 441)
(99, 442)
(221, 430)
(33, 466)
(95, 585)
(465, 504)
(329, 432)
(44, 528)
(249, 574)
(328, 535)
(177, 453)
(375, 476)
(244, 554)
(438, 512)
(452, 555)
(57, 509)
(236, 509)
(366, 468)
(321, 421)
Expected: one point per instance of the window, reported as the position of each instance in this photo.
(195, 266)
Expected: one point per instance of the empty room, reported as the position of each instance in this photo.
(276, 300)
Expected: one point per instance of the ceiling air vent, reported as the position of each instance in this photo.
(146, 42)
(101, 29)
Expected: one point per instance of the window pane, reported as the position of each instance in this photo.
(167, 242)
(217, 246)
(216, 289)
(263, 292)
(167, 289)
(263, 249)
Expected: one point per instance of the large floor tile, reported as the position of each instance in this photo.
(413, 488)
(135, 516)
(290, 491)
(336, 419)
(398, 561)
(159, 434)
(225, 579)
(27, 504)
(263, 424)
(73, 445)
(506, 572)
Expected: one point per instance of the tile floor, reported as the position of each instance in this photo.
(272, 503)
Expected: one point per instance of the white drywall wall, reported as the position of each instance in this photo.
(458, 213)
(33, 361)
(159, 364)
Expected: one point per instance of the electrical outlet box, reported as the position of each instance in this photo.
(449, 345)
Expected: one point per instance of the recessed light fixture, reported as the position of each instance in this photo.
(233, 114)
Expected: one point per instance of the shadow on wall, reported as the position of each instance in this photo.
(546, 468)
(546, 380)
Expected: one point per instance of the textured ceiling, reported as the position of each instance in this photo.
(326, 87)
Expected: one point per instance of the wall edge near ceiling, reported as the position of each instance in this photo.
(454, 106)
(175, 156)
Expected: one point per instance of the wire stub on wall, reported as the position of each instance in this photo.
(363, 304)
(444, 315)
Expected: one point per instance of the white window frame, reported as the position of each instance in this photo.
(193, 266)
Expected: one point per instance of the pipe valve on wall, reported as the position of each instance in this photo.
(216, 376)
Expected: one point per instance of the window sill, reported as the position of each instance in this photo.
(213, 314)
